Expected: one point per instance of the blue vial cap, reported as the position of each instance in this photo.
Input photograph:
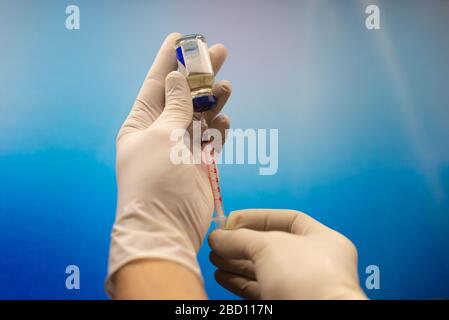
(204, 103)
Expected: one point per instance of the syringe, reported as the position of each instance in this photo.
(214, 180)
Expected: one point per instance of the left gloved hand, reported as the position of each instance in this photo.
(284, 255)
(164, 209)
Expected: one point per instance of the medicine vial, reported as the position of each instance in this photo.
(194, 63)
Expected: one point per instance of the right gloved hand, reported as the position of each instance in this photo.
(284, 254)
(163, 208)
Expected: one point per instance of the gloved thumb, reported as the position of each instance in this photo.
(237, 244)
(274, 220)
(178, 111)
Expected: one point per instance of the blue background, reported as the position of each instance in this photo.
(363, 119)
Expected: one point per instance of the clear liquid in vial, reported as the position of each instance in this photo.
(200, 83)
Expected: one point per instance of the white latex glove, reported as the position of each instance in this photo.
(284, 254)
(163, 210)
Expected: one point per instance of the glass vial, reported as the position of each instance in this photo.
(194, 62)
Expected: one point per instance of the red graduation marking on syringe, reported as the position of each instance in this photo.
(214, 181)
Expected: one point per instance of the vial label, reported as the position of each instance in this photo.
(193, 58)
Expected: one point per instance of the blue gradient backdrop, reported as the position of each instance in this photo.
(363, 119)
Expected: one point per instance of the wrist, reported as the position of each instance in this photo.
(157, 279)
(138, 235)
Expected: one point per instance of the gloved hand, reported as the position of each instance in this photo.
(284, 254)
(163, 209)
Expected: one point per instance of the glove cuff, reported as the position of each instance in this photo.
(157, 240)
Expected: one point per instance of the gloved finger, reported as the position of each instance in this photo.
(151, 98)
(178, 110)
(237, 244)
(216, 130)
(222, 124)
(274, 220)
(222, 91)
(240, 267)
(217, 55)
(243, 287)
(165, 61)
